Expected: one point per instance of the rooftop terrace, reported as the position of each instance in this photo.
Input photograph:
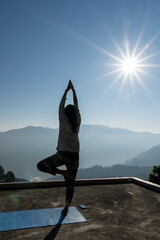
(117, 209)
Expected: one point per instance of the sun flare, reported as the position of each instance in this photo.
(129, 65)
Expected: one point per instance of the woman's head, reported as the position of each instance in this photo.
(71, 113)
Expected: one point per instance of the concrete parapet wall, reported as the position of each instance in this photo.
(79, 182)
(146, 184)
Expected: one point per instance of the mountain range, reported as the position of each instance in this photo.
(146, 158)
(106, 172)
(22, 149)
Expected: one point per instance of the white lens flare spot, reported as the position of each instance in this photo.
(129, 65)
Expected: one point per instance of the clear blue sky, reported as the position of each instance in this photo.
(44, 43)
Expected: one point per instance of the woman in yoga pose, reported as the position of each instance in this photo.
(68, 146)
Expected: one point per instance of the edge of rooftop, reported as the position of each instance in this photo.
(81, 182)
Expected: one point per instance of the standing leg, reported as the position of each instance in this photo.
(72, 168)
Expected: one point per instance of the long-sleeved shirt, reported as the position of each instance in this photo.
(67, 140)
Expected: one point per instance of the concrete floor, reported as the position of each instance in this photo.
(114, 212)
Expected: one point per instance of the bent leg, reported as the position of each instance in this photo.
(50, 164)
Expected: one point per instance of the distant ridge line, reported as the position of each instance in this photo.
(83, 125)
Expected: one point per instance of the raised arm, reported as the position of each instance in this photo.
(75, 100)
(62, 103)
(68, 88)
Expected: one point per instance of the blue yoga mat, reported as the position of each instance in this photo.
(38, 218)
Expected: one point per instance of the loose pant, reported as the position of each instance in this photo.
(70, 160)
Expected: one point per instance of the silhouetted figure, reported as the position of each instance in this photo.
(68, 146)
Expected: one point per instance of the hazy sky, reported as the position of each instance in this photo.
(44, 43)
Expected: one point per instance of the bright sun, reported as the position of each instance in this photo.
(129, 65)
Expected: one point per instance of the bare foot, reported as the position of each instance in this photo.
(65, 173)
(65, 211)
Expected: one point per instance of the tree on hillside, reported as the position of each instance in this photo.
(2, 174)
(154, 176)
(10, 177)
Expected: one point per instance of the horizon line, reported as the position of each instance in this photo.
(85, 124)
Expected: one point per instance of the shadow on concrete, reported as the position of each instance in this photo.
(53, 233)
